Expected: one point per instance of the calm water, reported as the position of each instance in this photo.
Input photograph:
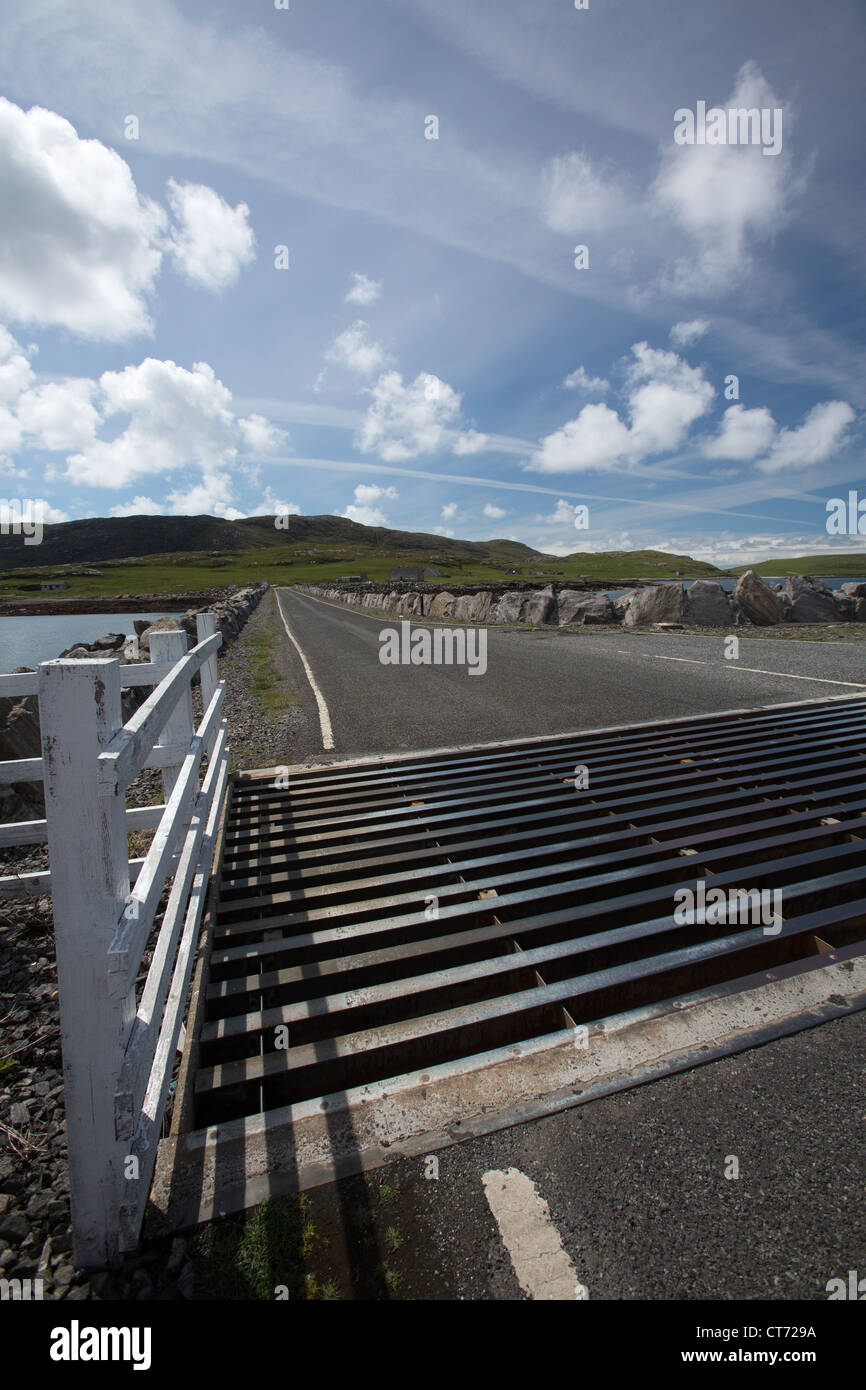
(27, 641)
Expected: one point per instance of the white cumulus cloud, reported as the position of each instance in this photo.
(580, 380)
(211, 241)
(471, 442)
(139, 506)
(404, 421)
(686, 332)
(354, 350)
(16, 373)
(80, 248)
(177, 419)
(665, 397)
(212, 496)
(744, 434)
(35, 508)
(727, 197)
(271, 505)
(821, 434)
(259, 435)
(363, 509)
(363, 290)
(60, 415)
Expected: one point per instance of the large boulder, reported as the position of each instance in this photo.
(583, 606)
(622, 603)
(657, 603)
(20, 738)
(518, 607)
(757, 601)
(161, 625)
(442, 605)
(473, 608)
(409, 605)
(845, 606)
(707, 604)
(539, 608)
(854, 588)
(111, 642)
(508, 608)
(811, 599)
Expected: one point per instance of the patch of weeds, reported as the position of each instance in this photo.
(266, 1249)
(393, 1238)
(266, 685)
(388, 1195)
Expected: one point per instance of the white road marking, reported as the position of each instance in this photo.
(543, 1269)
(822, 680)
(324, 717)
(759, 671)
(690, 660)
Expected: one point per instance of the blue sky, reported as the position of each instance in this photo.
(432, 358)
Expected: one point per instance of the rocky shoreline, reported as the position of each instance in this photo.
(172, 602)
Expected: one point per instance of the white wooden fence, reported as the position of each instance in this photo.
(119, 1045)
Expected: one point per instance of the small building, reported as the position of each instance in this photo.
(413, 572)
(54, 584)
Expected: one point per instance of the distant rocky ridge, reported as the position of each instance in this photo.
(753, 603)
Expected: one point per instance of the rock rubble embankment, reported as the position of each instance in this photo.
(705, 603)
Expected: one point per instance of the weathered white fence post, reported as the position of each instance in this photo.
(80, 711)
(168, 647)
(205, 626)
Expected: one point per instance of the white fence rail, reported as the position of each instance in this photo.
(118, 1051)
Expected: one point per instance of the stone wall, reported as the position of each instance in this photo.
(753, 603)
(231, 614)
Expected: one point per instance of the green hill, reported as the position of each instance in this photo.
(146, 554)
(835, 564)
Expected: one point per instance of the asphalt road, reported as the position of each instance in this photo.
(634, 1184)
(636, 1189)
(537, 682)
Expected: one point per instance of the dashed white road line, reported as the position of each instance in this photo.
(543, 1269)
(822, 680)
(324, 716)
(759, 671)
(690, 660)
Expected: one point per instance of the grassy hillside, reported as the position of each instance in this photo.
(195, 553)
(837, 564)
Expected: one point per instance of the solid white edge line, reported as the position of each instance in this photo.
(541, 1264)
(324, 717)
